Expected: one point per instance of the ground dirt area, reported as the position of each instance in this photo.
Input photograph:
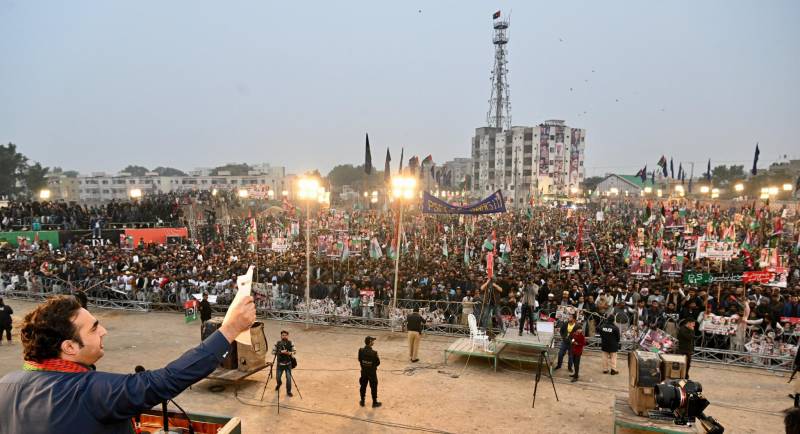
(426, 399)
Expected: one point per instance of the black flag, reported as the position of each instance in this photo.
(400, 170)
(754, 171)
(708, 172)
(671, 169)
(367, 158)
(653, 178)
(387, 171)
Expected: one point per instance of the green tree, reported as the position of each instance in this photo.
(135, 170)
(724, 175)
(35, 178)
(71, 173)
(347, 174)
(12, 166)
(234, 169)
(168, 171)
(591, 182)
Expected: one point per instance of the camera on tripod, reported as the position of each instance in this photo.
(660, 391)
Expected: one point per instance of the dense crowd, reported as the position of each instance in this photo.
(165, 209)
(623, 267)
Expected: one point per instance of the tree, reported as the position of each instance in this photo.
(724, 175)
(591, 182)
(71, 173)
(12, 165)
(135, 170)
(168, 171)
(234, 169)
(35, 178)
(347, 174)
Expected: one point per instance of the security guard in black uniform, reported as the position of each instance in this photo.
(369, 361)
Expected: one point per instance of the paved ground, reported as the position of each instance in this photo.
(426, 399)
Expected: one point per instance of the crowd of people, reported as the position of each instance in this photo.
(643, 266)
(165, 209)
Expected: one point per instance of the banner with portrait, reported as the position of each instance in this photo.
(570, 261)
(715, 249)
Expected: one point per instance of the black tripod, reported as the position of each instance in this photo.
(269, 377)
(543, 360)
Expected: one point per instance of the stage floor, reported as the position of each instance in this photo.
(540, 341)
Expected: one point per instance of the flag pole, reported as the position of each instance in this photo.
(397, 253)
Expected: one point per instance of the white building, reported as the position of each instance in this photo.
(100, 187)
(624, 186)
(528, 162)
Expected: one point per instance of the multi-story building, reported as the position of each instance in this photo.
(100, 187)
(63, 188)
(527, 162)
(458, 170)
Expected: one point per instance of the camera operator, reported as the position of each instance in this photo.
(492, 310)
(369, 361)
(686, 342)
(57, 392)
(284, 350)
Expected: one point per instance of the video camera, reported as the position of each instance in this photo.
(683, 401)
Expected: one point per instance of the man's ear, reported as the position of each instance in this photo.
(69, 347)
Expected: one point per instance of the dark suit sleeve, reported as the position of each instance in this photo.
(112, 397)
(377, 360)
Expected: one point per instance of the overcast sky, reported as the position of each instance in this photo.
(97, 85)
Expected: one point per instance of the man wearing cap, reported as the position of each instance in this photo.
(415, 323)
(369, 361)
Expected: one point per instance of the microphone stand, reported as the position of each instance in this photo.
(164, 412)
(164, 417)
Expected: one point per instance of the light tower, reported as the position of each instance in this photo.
(499, 115)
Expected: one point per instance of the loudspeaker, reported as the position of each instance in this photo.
(232, 359)
(255, 354)
(673, 366)
(644, 368)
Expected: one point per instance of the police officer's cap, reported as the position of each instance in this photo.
(368, 340)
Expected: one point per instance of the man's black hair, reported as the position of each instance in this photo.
(792, 420)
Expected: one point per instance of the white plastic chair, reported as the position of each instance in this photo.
(477, 336)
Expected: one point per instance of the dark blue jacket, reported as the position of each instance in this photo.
(34, 402)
